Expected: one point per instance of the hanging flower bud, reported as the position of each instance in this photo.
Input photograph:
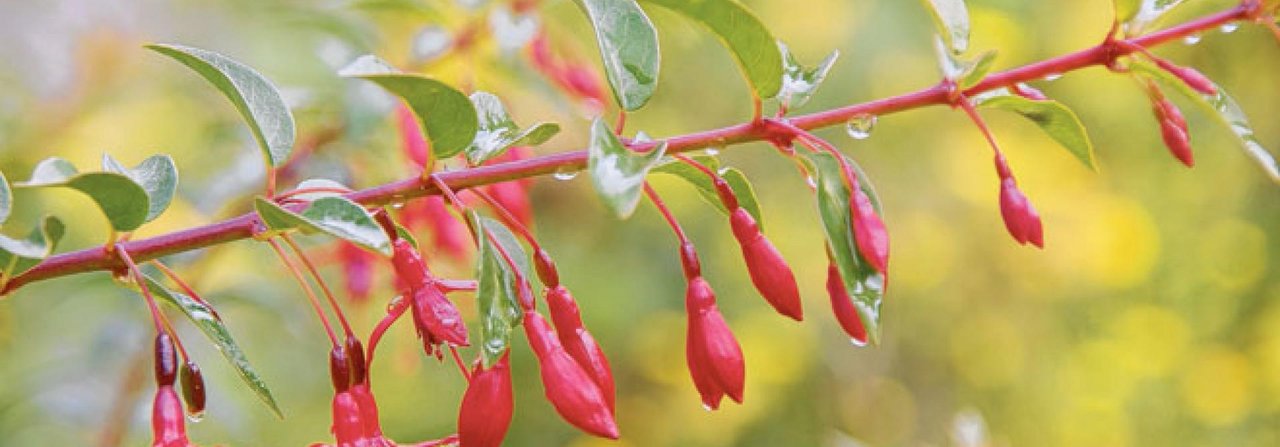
(166, 360)
(869, 232)
(578, 342)
(486, 408)
(1020, 217)
(1173, 128)
(842, 306)
(192, 389)
(713, 354)
(168, 428)
(1190, 76)
(357, 270)
(415, 147)
(570, 389)
(769, 272)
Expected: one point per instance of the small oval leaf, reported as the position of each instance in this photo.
(122, 200)
(754, 48)
(334, 216)
(862, 282)
(951, 17)
(498, 132)
(628, 48)
(206, 319)
(1053, 117)
(20, 255)
(798, 84)
(157, 175)
(1225, 109)
(445, 114)
(737, 181)
(257, 99)
(617, 172)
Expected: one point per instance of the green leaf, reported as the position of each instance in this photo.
(498, 132)
(752, 45)
(1126, 10)
(334, 216)
(207, 320)
(862, 282)
(617, 172)
(1150, 12)
(257, 99)
(966, 72)
(1225, 109)
(951, 17)
(123, 201)
(6, 199)
(20, 255)
(706, 188)
(445, 114)
(628, 48)
(798, 84)
(496, 291)
(157, 175)
(1053, 117)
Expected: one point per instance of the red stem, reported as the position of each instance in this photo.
(95, 258)
(666, 213)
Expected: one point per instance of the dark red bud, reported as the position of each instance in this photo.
(193, 388)
(727, 197)
(355, 360)
(572, 391)
(769, 271)
(487, 406)
(166, 360)
(339, 369)
(714, 357)
(842, 306)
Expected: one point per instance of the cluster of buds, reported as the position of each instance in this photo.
(168, 425)
(572, 391)
(435, 318)
(1173, 127)
(577, 80)
(1020, 217)
(355, 413)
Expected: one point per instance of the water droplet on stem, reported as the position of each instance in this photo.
(1052, 77)
(860, 127)
(1229, 28)
(1192, 39)
(565, 174)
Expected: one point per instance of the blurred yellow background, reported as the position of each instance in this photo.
(1151, 318)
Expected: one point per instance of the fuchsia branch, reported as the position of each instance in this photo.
(242, 227)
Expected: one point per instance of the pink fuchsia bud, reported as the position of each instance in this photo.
(486, 408)
(1175, 138)
(357, 270)
(572, 391)
(1020, 217)
(769, 272)
(842, 307)
(1190, 76)
(410, 269)
(415, 147)
(713, 354)
(192, 388)
(1029, 92)
(578, 342)
(168, 428)
(869, 232)
(166, 360)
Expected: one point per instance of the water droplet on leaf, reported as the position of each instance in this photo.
(565, 174)
(860, 126)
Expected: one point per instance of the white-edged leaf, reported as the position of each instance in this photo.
(498, 132)
(951, 17)
(496, 289)
(628, 48)
(737, 181)
(798, 84)
(617, 172)
(334, 216)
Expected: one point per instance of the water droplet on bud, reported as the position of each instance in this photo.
(1192, 39)
(858, 343)
(860, 127)
(565, 174)
(707, 407)
(1229, 28)
(1052, 77)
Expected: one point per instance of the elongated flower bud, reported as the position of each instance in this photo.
(869, 232)
(1020, 217)
(842, 307)
(1190, 76)
(486, 408)
(769, 272)
(713, 354)
(168, 428)
(166, 360)
(192, 388)
(339, 369)
(1175, 138)
(415, 147)
(570, 389)
(578, 342)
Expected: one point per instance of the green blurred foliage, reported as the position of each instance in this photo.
(1150, 319)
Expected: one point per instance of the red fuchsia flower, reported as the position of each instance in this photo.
(869, 232)
(435, 318)
(168, 426)
(413, 144)
(578, 342)
(769, 272)
(1020, 217)
(712, 352)
(572, 391)
(355, 414)
(842, 306)
(357, 270)
(486, 408)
